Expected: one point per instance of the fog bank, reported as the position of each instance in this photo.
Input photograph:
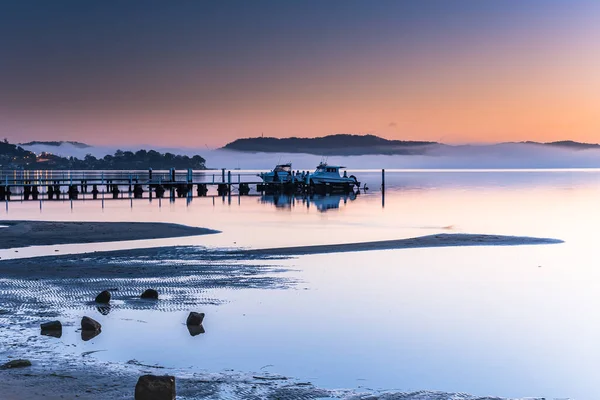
(509, 155)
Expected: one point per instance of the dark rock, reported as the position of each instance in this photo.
(195, 330)
(103, 297)
(51, 326)
(88, 324)
(16, 364)
(150, 294)
(151, 387)
(195, 318)
(53, 329)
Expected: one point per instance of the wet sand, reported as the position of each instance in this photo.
(441, 240)
(43, 233)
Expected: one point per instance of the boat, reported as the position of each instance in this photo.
(330, 175)
(282, 173)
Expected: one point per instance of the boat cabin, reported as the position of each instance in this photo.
(283, 168)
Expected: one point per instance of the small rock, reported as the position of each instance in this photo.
(16, 364)
(103, 297)
(53, 329)
(151, 387)
(88, 324)
(195, 318)
(51, 326)
(150, 294)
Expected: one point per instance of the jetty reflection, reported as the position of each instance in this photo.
(322, 202)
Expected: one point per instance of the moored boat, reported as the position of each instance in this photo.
(282, 173)
(330, 175)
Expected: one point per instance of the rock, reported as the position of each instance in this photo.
(152, 387)
(195, 318)
(51, 326)
(88, 324)
(103, 297)
(53, 329)
(16, 364)
(150, 294)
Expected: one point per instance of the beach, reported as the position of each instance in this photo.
(39, 289)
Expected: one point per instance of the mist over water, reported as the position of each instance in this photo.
(508, 155)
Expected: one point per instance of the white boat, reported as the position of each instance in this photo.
(282, 173)
(330, 175)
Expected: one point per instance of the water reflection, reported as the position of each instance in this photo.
(52, 332)
(104, 310)
(89, 334)
(195, 330)
(322, 202)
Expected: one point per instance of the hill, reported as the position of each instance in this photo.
(15, 157)
(331, 145)
(55, 143)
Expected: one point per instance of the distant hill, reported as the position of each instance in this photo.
(570, 144)
(15, 157)
(331, 145)
(55, 143)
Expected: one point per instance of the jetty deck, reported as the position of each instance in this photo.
(48, 185)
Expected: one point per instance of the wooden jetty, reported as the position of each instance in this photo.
(23, 185)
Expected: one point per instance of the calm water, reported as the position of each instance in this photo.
(506, 321)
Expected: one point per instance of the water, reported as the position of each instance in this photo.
(506, 321)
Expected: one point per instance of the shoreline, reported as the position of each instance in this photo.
(20, 233)
(429, 241)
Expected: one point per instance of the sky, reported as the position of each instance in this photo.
(203, 73)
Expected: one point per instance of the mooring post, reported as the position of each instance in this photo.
(103, 190)
(150, 174)
(383, 188)
(222, 175)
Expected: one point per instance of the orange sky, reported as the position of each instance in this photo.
(483, 75)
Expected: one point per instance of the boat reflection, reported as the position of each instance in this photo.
(322, 202)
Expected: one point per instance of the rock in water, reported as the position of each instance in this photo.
(195, 318)
(88, 324)
(103, 297)
(151, 387)
(150, 294)
(16, 364)
(53, 329)
(52, 326)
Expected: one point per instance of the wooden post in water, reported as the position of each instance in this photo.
(382, 188)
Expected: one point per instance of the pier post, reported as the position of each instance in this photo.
(383, 188)
(150, 174)
(229, 185)
(223, 175)
(102, 190)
